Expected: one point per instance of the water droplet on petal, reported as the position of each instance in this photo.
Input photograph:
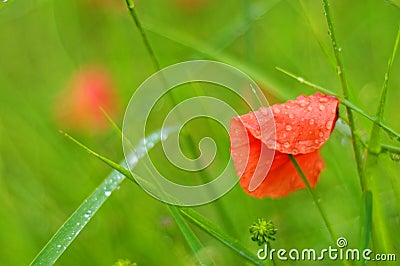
(316, 141)
(276, 110)
(321, 107)
(323, 100)
(329, 125)
(286, 144)
(309, 108)
(291, 116)
(264, 111)
(321, 134)
(311, 122)
(288, 127)
(295, 151)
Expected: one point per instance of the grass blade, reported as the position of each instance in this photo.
(218, 234)
(189, 235)
(373, 168)
(365, 222)
(315, 200)
(214, 53)
(392, 134)
(345, 91)
(79, 219)
(191, 214)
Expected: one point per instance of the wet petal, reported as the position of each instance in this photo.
(282, 177)
(305, 124)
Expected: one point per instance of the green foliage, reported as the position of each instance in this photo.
(43, 178)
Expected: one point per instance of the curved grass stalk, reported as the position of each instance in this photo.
(187, 138)
(392, 134)
(315, 200)
(345, 91)
(380, 229)
(85, 212)
(190, 214)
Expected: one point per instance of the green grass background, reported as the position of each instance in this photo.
(44, 177)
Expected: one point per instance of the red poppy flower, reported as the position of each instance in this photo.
(301, 126)
(79, 107)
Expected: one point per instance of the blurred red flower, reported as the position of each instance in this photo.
(79, 107)
(302, 126)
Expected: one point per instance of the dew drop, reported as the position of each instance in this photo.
(321, 134)
(58, 246)
(295, 151)
(311, 122)
(334, 111)
(276, 110)
(339, 70)
(291, 116)
(300, 79)
(287, 106)
(321, 107)
(303, 103)
(339, 49)
(107, 193)
(288, 127)
(309, 108)
(286, 144)
(4, 1)
(329, 125)
(323, 100)
(264, 111)
(316, 141)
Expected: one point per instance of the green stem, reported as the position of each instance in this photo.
(345, 91)
(393, 134)
(187, 138)
(132, 11)
(217, 233)
(315, 200)
(190, 214)
(314, 197)
(380, 228)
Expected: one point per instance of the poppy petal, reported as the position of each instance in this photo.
(302, 127)
(276, 180)
(251, 157)
(305, 124)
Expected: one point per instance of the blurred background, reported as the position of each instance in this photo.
(60, 60)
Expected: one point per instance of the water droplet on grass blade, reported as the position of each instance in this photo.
(107, 193)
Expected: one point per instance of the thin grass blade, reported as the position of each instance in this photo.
(377, 182)
(218, 234)
(80, 218)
